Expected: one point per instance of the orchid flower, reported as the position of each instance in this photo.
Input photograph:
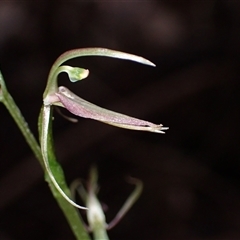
(61, 96)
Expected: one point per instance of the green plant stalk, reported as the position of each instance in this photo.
(69, 211)
(100, 234)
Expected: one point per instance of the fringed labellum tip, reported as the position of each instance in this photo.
(85, 109)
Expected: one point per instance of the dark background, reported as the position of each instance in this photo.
(191, 174)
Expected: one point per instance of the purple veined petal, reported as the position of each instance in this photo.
(85, 109)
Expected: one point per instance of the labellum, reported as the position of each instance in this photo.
(85, 109)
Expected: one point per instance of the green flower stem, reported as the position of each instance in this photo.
(69, 211)
(100, 234)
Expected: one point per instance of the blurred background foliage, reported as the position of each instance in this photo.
(191, 174)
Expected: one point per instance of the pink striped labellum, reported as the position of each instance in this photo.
(85, 109)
